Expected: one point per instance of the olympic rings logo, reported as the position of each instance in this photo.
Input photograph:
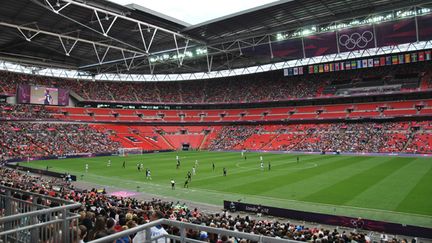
(356, 40)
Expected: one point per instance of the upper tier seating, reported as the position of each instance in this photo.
(270, 86)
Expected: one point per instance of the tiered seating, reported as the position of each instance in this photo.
(421, 143)
(346, 137)
(257, 141)
(194, 140)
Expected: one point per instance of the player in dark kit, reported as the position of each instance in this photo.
(178, 164)
(124, 164)
(213, 166)
(48, 98)
(189, 176)
(269, 165)
(298, 159)
(224, 171)
(186, 183)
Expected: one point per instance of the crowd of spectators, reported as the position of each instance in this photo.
(28, 140)
(102, 215)
(20, 111)
(251, 88)
(365, 137)
(231, 136)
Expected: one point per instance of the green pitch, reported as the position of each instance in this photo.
(393, 189)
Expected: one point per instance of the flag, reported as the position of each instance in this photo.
(342, 66)
(337, 66)
(395, 60)
(359, 64)
(388, 60)
(316, 69)
(321, 68)
(370, 62)
(427, 55)
(414, 57)
(407, 58)
(311, 69)
(353, 64)
(295, 71)
(348, 65)
(364, 63)
(331, 67)
(401, 59)
(421, 56)
(290, 71)
(382, 61)
(285, 72)
(326, 68)
(300, 70)
(376, 62)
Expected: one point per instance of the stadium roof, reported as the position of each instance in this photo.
(98, 36)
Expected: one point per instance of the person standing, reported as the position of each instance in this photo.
(224, 171)
(172, 184)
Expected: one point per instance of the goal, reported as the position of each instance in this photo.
(129, 151)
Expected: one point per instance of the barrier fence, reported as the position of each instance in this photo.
(26, 217)
(183, 227)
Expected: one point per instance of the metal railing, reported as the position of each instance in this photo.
(182, 236)
(24, 219)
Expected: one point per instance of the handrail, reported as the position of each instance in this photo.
(39, 212)
(184, 225)
(34, 194)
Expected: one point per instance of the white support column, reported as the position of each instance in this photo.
(147, 46)
(271, 48)
(101, 60)
(57, 11)
(21, 29)
(180, 56)
(85, 5)
(128, 65)
(67, 52)
(209, 62)
(105, 32)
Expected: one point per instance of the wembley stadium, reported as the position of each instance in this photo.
(280, 121)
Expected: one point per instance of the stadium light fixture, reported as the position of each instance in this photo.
(280, 36)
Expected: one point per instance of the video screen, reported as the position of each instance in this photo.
(42, 95)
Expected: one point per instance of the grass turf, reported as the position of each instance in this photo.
(394, 189)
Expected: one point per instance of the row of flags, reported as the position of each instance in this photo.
(395, 59)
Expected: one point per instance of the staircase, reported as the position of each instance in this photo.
(270, 142)
(410, 139)
(203, 141)
(167, 142)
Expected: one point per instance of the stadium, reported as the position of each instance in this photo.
(282, 122)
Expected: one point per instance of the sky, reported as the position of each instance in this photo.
(196, 11)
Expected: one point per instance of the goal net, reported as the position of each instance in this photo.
(129, 151)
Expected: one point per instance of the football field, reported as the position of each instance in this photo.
(393, 189)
